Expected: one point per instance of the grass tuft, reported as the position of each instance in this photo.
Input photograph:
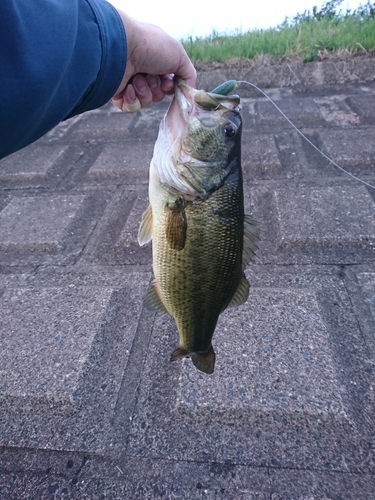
(310, 36)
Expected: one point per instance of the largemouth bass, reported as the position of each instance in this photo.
(201, 239)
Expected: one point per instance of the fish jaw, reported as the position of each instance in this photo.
(192, 108)
(169, 156)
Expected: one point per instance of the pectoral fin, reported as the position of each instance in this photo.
(250, 240)
(145, 228)
(153, 302)
(176, 228)
(242, 293)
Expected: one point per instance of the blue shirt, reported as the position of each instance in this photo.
(58, 58)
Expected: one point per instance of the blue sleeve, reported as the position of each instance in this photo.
(58, 58)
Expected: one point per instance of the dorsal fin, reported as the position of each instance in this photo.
(250, 240)
(145, 227)
(241, 294)
(176, 228)
(153, 302)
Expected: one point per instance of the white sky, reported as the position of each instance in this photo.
(184, 18)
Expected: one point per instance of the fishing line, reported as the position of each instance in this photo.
(303, 135)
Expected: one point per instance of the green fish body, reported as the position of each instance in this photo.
(201, 239)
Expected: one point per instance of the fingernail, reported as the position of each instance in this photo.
(152, 81)
(132, 107)
(131, 93)
(140, 84)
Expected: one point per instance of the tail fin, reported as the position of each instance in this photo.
(204, 362)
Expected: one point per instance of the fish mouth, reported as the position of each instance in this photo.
(193, 102)
(184, 96)
(190, 104)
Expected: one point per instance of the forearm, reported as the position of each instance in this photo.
(57, 59)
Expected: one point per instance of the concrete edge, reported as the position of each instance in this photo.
(296, 74)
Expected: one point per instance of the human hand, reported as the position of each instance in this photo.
(153, 58)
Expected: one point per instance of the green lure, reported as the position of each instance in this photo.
(225, 88)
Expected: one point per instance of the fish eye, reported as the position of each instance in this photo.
(229, 130)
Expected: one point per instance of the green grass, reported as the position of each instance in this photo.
(307, 36)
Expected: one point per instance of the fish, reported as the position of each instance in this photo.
(201, 239)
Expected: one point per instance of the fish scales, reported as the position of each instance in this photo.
(197, 282)
(201, 238)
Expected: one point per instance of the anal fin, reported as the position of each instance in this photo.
(241, 294)
(153, 302)
(179, 353)
(250, 240)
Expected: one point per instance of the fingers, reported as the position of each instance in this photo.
(142, 88)
(127, 100)
(167, 84)
(143, 91)
(153, 52)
